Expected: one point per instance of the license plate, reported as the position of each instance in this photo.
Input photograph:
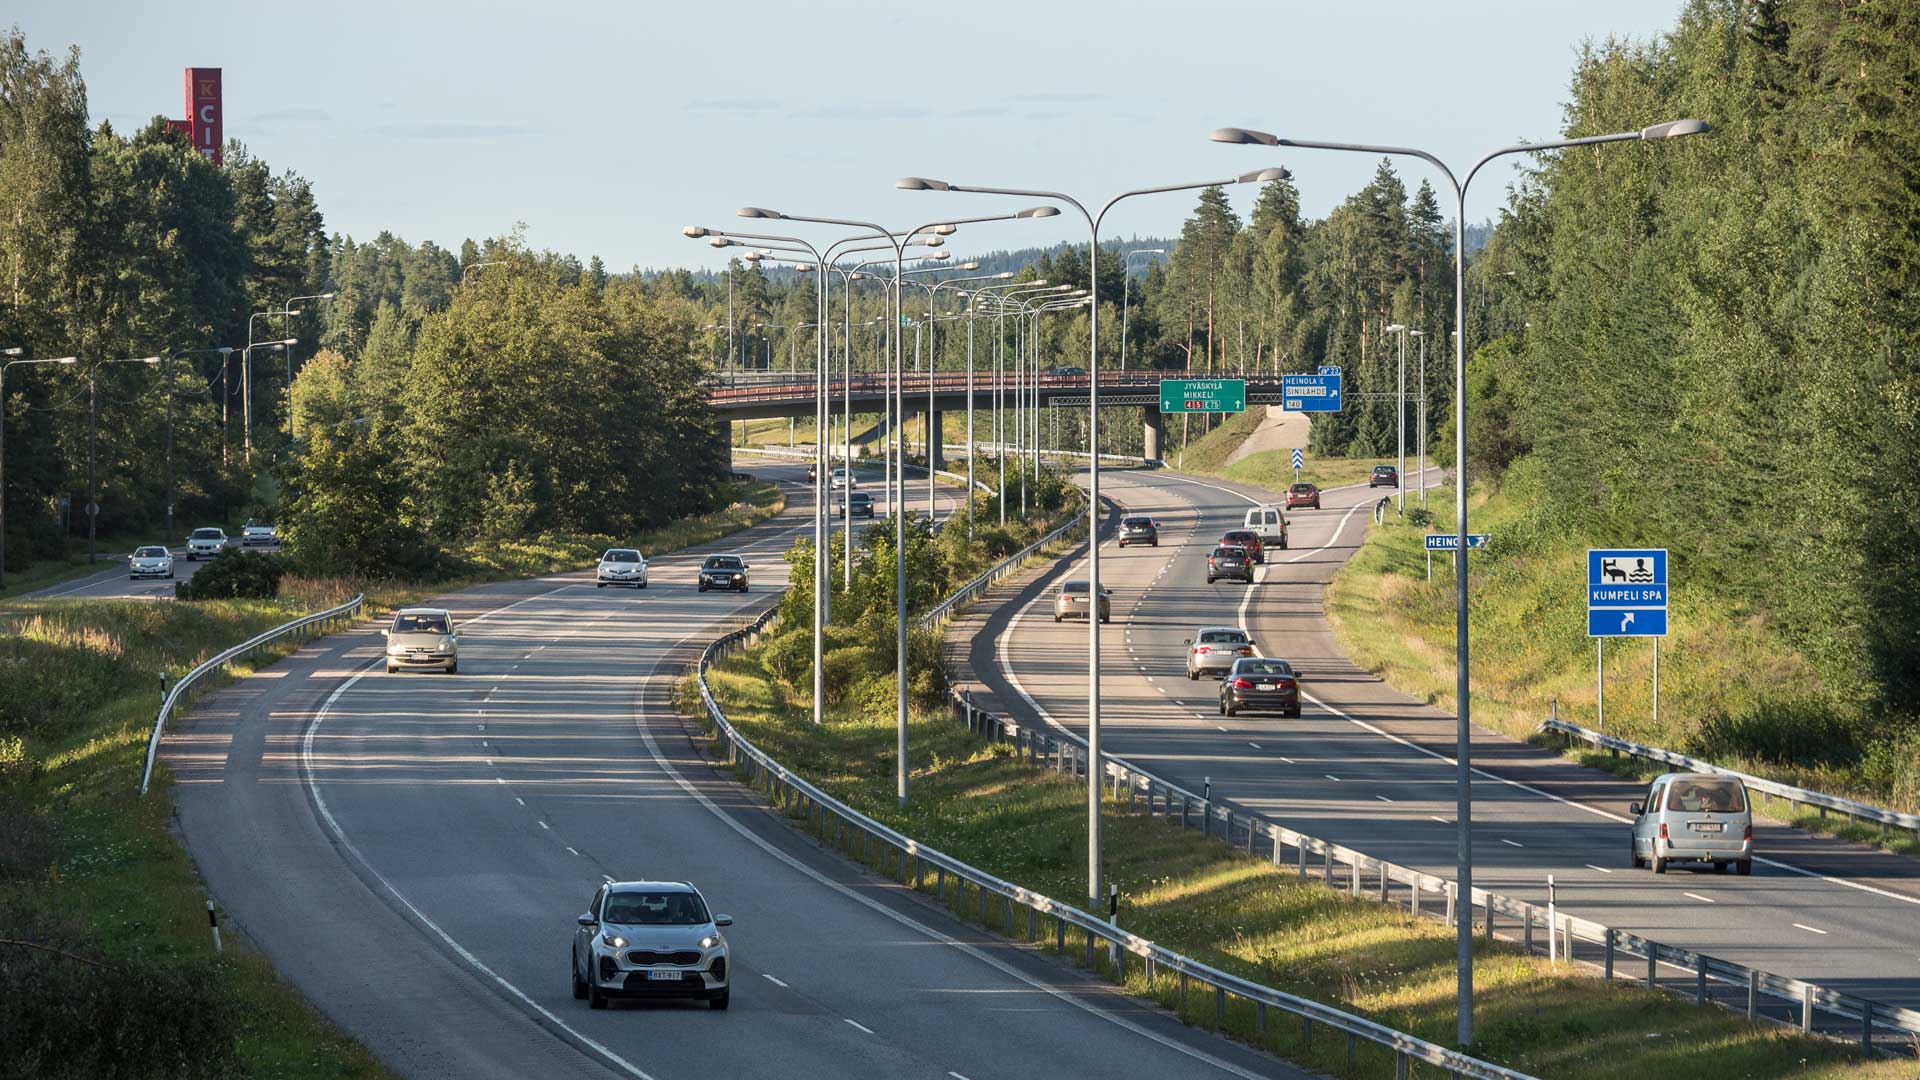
(1711, 826)
(663, 976)
(1265, 686)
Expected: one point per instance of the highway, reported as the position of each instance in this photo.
(1371, 769)
(112, 582)
(411, 850)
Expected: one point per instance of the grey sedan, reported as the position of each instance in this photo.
(1213, 649)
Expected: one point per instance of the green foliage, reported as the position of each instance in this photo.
(346, 516)
(235, 575)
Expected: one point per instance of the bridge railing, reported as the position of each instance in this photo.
(790, 387)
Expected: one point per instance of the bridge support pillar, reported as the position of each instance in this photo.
(935, 436)
(1154, 434)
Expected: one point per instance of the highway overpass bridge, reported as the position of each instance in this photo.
(765, 396)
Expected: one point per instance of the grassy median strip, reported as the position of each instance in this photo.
(974, 800)
(1732, 690)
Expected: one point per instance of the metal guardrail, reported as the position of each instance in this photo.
(908, 860)
(184, 688)
(966, 593)
(1855, 811)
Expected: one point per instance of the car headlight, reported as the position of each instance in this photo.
(710, 941)
(614, 940)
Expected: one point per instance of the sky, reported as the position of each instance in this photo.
(606, 127)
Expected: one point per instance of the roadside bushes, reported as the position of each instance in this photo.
(235, 575)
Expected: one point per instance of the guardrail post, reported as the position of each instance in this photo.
(1699, 980)
(1413, 897)
(1400, 1065)
(1806, 1007)
(1452, 910)
(1609, 962)
(1866, 1027)
(1302, 849)
(1183, 991)
(1353, 876)
(1220, 1006)
(1326, 865)
(1033, 924)
(940, 883)
(1753, 995)
(1383, 881)
(1489, 916)
(1206, 820)
(1273, 837)
(1653, 962)
(1059, 933)
(1526, 933)
(1306, 1033)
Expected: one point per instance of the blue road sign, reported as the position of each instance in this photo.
(1299, 460)
(1626, 592)
(1310, 393)
(1615, 622)
(1451, 541)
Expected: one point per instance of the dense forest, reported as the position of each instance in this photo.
(445, 395)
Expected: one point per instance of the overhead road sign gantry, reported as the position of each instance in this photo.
(1203, 395)
(1626, 592)
(1310, 393)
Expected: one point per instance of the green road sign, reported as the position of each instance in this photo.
(1203, 395)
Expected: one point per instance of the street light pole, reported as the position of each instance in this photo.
(1463, 749)
(93, 432)
(3, 443)
(1400, 417)
(1422, 335)
(290, 311)
(1096, 770)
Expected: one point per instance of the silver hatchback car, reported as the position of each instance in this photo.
(1213, 649)
(656, 939)
(1694, 817)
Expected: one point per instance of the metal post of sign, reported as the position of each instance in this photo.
(1600, 678)
(1656, 684)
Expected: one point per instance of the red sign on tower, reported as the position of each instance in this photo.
(203, 112)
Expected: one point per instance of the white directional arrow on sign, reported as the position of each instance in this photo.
(1626, 621)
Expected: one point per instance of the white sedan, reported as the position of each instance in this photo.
(841, 478)
(150, 561)
(621, 566)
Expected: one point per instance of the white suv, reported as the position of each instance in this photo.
(652, 939)
(621, 566)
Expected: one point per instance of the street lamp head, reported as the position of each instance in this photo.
(945, 229)
(753, 256)
(11, 352)
(719, 242)
(1673, 129)
(933, 241)
(292, 311)
(1261, 176)
(941, 256)
(1004, 275)
(921, 183)
(1038, 212)
(1416, 333)
(1394, 328)
(694, 231)
(1244, 137)
(968, 265)
(803, 268)
(758, 212)
(324, 296)
(67, 360)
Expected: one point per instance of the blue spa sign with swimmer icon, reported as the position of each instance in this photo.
(1626, 592)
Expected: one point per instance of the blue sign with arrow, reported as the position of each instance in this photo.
(1310, 393)
(1626, 592)
(1299, 459)
(1451, 541)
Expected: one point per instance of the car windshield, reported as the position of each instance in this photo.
(1260, 668)
(151, 553)
(1706, 795)
(1137, 522)
(723, 562)
(1241, 536)
(1383, 468)
(860, 496)
(1074, 587)
(1229, 553)
(408, 622)
(1223, 637)
(655, 909)
(207, 534)
(1301, 489)
(620, 555)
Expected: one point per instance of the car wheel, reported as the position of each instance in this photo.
(1192, 675)
(1056, 618)
(595, 999)
(1226, 707)
(1294, 713)
(1744, 867)
(169, 575)
(453, 668)
(1156, 543)
(642, 585)
(1283, 545)
(1209, 580)
(1633, 854)
(579, 984)
(1106, 618)
(718, 1002)
(391, 669)
(1659, 865)
(599, 584)
(703, 587)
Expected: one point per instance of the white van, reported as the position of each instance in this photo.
(1270, 523)
(1694, 817)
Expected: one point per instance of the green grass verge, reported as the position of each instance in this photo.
(975, 801)
(1732, 690)
(89, 867)
(1270, 469)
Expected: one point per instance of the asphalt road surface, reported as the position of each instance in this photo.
(112, 582)
(411, 851)
(1370, 769)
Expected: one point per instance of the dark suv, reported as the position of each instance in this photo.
(1383, 476)
(861, 502)
(1229, 561)
(1139, 530)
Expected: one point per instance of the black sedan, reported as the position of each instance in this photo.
(1383, 476)
(723, 572)
(1257, 682)
(1230, 560)
(860, 501)
(1139, 530)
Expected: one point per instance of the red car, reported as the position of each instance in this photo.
(1248, 539)
(1303, 495)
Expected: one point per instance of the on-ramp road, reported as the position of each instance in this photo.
(1370, 769)
(411, 851)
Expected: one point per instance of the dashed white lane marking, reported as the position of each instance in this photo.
(520, 800)
(1439, 819)
(773, 980)
(857, 1024)
(1221, 728)
(1697, 896)
(955, 1075)
(498, 780)
(570, 850)
(544, 825)
(606, 877)
(1602, 869)
(1331, 777)
(1383, 798)
(1255, 745)
(1511, 843)
(1288, 760)
(1809, 929)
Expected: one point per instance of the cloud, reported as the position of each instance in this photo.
(1057, 98)
(980, 112)
(444, 130)
(732, 104)
(862, 110)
